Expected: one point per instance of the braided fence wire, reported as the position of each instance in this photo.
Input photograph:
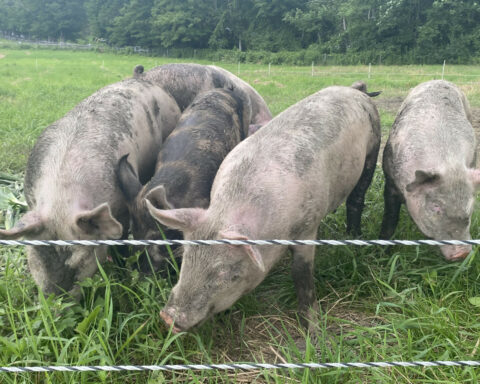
(238, 366)
(235, 242)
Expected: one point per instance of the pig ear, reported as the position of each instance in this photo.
(30, 224)
(183, 219)
(475, 177)
(128, 179)
(422, 178)
(158, 197)
(100, 222)
(251, 251)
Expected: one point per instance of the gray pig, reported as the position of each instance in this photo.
(276, 184)
(428, 164)
(214, 123)
(185, 81)
(70, 182)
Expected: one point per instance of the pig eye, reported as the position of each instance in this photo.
(436, 208)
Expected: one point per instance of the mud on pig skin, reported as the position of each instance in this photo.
(214, 123)
(276, 184)
(429, 164)
(70, 182)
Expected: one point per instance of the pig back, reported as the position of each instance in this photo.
(305, 161)
(213, 124)
(185, 81)
(81, 149)
(432, 127)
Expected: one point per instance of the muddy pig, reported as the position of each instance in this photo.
(70, 183)
(214, 123)
(428, 164)
(276, 184)
(185, 81)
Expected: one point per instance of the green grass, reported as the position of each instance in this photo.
(403, 303)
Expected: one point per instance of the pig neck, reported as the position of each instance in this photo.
(241, 218)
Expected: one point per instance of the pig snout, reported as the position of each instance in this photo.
(170, 317)
(455, 252)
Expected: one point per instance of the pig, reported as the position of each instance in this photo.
(277, 184)
(428, 164)
(70, 183)
(214, 123)
(185, 81)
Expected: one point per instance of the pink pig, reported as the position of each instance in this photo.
(277, 184)
(428, 164)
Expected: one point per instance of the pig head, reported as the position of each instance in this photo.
(441, 203)
(57, 268)
(230, 270)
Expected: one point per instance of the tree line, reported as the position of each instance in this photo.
(414, 30)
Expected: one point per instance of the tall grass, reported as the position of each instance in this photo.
(401, 303)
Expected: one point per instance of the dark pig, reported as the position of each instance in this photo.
(428, 164)
(185, 81)
(214, 123)
(276, 184)
(70, 182)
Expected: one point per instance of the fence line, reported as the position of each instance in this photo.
(96, 243)
(239, 366)
(303, 70)
(74, 46)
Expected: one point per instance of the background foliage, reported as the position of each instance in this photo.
(377, 31)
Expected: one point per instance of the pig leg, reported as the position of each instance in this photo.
(302, 273)
(355, 200)
(393, 202)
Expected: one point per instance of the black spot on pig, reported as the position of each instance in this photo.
(156, 109)
(151, 125)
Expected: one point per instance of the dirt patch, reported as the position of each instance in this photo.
(391, 104)
(28, 53)
(2, 56)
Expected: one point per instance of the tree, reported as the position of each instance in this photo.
(318, 22)
(268, 30)
(183, 23)
(233, 24)
(398, 23)
(101, 15)
(56, 19)
(133, 26)
(452, 26)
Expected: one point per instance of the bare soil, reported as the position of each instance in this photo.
(2, 56)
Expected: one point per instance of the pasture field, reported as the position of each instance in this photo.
(377, 304)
